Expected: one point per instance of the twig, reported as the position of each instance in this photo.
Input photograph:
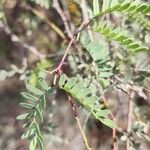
(58, 69)
(15, 38)
(86, 16)
(132, 87)
(129, 121)
(83, 134)
(62, 62)
(59, 53)
(43, 17)
(64, 18)
(66, 52)
(78, 122)
(85, 122)
(114, 129)
(67, 25)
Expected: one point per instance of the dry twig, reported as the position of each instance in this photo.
(78, 122)
(129, 120)
(51, 24)
(114, 129)
(86, 16)
(15, 38)
(64, 18)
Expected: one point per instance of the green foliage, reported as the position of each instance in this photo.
(141, 20)
(35, 102)
(38, 69)
(96, 7)
(103, 66)
(85, 98)
(119, 37)
(133, 10)
(136, 12)
(125, 7)
(97, 50)
(100, 55)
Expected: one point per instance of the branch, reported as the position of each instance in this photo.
(114, 129)
(129, 120)
(15, 38)
(43, 17)
(78, 122)
(86, 16)
(63, 17)
(58, 69)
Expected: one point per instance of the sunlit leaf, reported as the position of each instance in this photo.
(106, 4)
(29, 96)
(108, 122)
(39, 113)
(84, 97)
(96, 7)
(43, 84)
(33, 143)
(27, 105)
(22, 116)
(34, 90)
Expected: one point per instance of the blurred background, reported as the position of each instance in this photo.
(33, 37)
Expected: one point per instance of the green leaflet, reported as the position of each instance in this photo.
(101, 56)
(106, 74)
(91, 101)
(23, 116)
(141, 8)
(114, 3)
(97, 50)
(108, 122)
(102, 113)
(40, 141)
(26, 105)
(39, 114)
(84, 97)
(126, 6)
(71, 83)
(135, 9)
(144, 22)
(106, 5)
(33, 143)
(37, 129)
(28, 133)
(43, 84)
(147, 10)
(75, 90)
(29, 96)
(42, 103)
(96, 6)
(34, 90)
(120, 38)
(34, 117)
(84, 93)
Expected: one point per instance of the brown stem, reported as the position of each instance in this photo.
(114, 129)
(129, 122)
(78, 122)
(43, 17)
(15, 38)
(86, 16)
(56, 5)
